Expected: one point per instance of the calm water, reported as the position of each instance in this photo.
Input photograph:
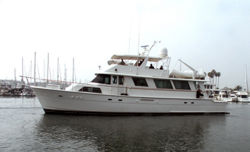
(24, 127)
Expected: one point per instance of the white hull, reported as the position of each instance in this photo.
(70, 101)
(244, 100)
(223, 100)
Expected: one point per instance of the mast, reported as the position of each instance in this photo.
(22, 71)
(30, 69)
(48, 69)
(35, 68)
(43, 68)
(57, 79)
(246, 80)
(73, 71)
(15, 76)
(129, 37)
(139, 35)
(65, 73)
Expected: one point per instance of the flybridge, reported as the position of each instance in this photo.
(141, 64)
(137, 65)
(142, 58)
(135, 57)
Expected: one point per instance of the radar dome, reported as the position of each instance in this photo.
(164, 53)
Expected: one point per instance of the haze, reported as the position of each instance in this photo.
(206, 34)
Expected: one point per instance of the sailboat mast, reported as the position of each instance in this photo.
(30, 69)
(35, 68)
(73, 71)
(65, 73)
(22, 71)
(48, 69)
(57, 79)
(15, 76)
(43, 68)
(246, 80)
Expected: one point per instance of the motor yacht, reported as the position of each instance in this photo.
(223, 96)
(242, 96)
(133, 84)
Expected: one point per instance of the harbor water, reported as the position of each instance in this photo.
(25, 127)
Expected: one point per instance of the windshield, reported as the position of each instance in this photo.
(244, 96)
(225, 96)
(102, 78)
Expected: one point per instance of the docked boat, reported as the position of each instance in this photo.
(233, 97)
(133, 84)
(223, 96)
(211, 90)
(242, 96)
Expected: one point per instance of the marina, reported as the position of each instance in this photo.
(124, 76)
(8, 91)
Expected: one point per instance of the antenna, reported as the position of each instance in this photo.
(129, 37)
(155, 42)
(145, 46)
(147, 51)
(139, 34)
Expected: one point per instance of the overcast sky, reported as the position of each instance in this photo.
(206, 34)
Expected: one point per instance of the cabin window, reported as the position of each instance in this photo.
(140, 82)
(216, 92)
(181, 85)
(225, 96)
(244, 96)
(196, 84)
(102, 78)
(91, 89)
(159, 83)
(114, 79)
(121, 79)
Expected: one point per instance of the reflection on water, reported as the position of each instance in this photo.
(92, 133)
(18, 102)
(24, 127)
